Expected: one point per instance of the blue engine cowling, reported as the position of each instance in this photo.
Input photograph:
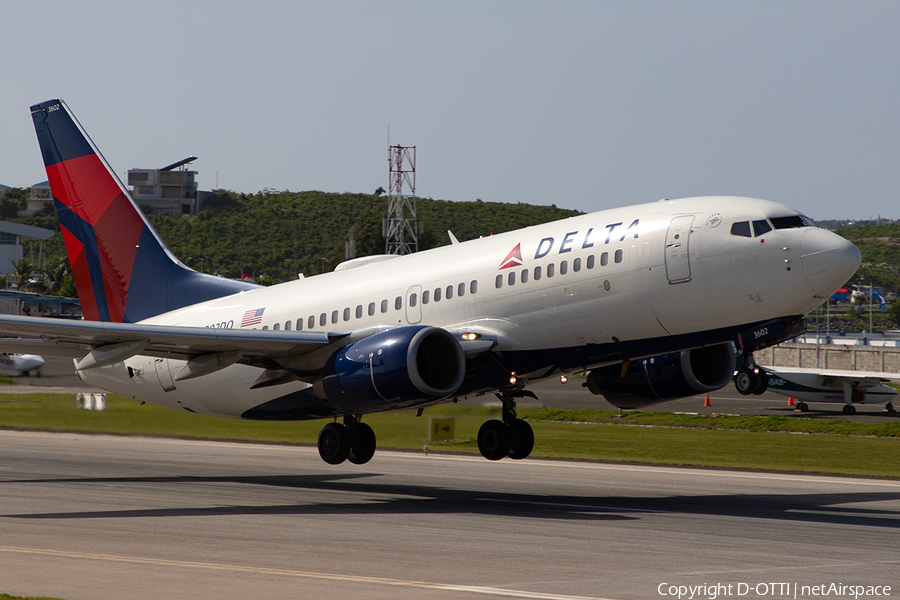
(398, 368)
(666, 377)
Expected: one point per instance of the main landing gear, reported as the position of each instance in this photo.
(354, 440)
(512, 437)
(751, 379)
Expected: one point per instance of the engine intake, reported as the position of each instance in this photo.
(394, 369)
(667, 377)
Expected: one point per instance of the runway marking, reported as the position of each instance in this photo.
(468, 589)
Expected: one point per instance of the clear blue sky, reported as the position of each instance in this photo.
(588, 105)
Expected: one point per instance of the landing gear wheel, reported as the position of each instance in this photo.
(334, 443)
(803, 407)
(494, 439)
(762, 383)
(362, 444)
(743, 381)
(889, 407)
(522, 442)
(849, 409)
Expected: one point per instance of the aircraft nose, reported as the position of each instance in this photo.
(828, 260)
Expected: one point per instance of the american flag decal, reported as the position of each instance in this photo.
(253, 317)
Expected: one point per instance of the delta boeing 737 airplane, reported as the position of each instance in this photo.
(649, 301)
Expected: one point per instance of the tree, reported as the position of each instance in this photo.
(22, 272)
(893, 310)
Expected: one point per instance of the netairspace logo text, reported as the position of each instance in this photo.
(772, 590)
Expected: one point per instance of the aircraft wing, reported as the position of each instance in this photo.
(862, 378)
(76, 339)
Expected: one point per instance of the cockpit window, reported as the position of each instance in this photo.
(761, 227)
(791, 222)
(741, 228)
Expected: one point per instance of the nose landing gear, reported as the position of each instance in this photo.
(750, 378)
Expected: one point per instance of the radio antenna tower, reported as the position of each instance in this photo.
(401, 228)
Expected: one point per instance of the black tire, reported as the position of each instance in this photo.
(522, 442)
(334, 443)
(362, 444)
(744, 381)
(803, 407)
(849, 409)
(889, 407)
(494, 439)
(762, 383)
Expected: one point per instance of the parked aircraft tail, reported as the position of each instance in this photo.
(123, 271)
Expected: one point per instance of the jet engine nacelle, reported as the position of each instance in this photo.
(398, 368)
(666, 377)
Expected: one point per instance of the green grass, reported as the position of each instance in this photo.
(767, 443)
(8, 597)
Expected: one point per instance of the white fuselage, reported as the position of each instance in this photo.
(643, 272)
(812, 385)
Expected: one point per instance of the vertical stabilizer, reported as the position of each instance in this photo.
(122, 269)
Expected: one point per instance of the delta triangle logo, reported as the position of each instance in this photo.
(513, 259)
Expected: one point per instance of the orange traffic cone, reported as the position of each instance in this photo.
(790, 401)
(706, 402)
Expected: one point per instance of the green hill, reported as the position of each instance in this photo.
(880, 248)
(274, 237)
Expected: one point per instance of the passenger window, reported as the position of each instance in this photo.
(741, 229)
(563, 267)
(413, 300)
(265, 328)
(604, 259)
(537, 273)
(371, 309)
(398, 302)
(473, 286)
(590, 262)
(524, 277)
(384, 305)
(761, 227)
(449, 293)
(323, 319)
(426, 295)
(334, 316)
(498, 282)
(618, 255)
(347, 314)
(576, 265)
(299, 324)
(550, 269)
(276, 326)
(359, 311)
(461, 290)
(437, 294)
(511, 278)
(311, 322)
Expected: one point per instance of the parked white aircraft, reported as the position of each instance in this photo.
(829, 385)
(646, 299)
(21, 364)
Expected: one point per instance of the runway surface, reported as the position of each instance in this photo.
(103, 517)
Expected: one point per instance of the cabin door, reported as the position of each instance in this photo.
(678, 262)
